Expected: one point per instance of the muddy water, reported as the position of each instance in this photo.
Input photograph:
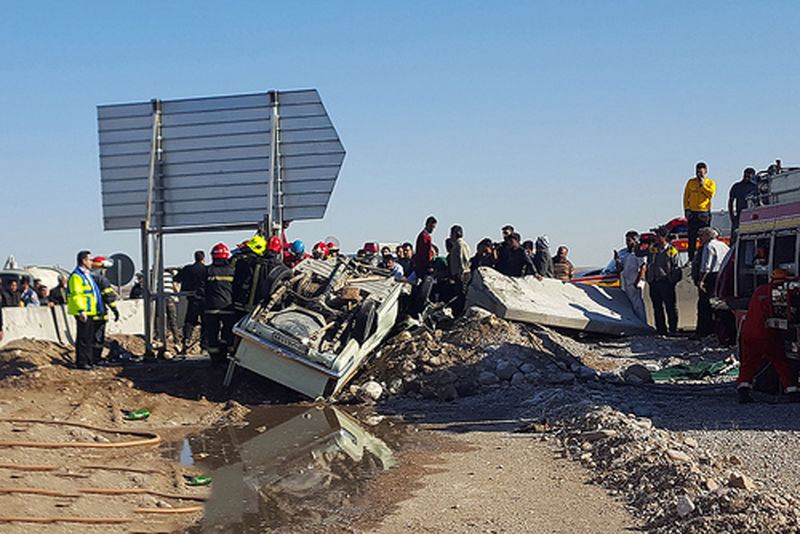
(287, 469)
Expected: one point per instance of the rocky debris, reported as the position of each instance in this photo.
(685, 505)
(738, 480)
(669, 480)
(478, 351)
(488, 378)
(370, 391)
(678, 456)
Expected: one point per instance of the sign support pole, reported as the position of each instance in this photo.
(274, 226)
(147, 285)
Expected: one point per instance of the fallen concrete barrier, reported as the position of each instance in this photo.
(555, 303)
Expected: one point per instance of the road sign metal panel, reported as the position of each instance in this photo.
(214, 160)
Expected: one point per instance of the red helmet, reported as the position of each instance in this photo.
(320, 250)
(275, 244)
(220, 251)
(101, 261)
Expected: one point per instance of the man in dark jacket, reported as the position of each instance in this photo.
(542, 259)
(485, 255)
(518, 261)
(217, 293)
(58, 295)
(10, 296)
(191, 277)
(663, 273)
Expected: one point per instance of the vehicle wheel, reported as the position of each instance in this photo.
(280, 273)
(364, 323)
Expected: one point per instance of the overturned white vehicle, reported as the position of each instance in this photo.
(321, 322)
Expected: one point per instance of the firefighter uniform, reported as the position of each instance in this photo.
(760, 342)
(218, 318)
(109, 298)
(84, 298)
(250, 284)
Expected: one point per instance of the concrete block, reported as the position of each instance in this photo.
(552, 302)
(55, 324)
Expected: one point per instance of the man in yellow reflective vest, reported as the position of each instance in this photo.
(85, 302)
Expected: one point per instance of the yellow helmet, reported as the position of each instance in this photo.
(257, 244)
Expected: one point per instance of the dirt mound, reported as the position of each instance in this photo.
(480, 351)
(33, 353)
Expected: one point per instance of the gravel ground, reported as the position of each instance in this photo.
(736, 466)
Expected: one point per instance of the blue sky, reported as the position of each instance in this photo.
(579, 120)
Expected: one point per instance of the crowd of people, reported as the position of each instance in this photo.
(24, 292)
(237, 280)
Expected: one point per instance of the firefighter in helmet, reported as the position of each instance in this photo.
(217, 293)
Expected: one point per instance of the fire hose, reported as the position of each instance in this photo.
(148, 439)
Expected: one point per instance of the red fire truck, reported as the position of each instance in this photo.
(769, 239)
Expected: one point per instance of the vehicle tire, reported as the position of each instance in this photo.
(277, 274)
(365, 321)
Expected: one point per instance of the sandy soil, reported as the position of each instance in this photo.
(500, 482)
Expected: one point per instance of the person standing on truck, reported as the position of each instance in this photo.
(758, 342)
(84, 302)
(663, 273)
(631, 269)
(697, 197)
(737, 199)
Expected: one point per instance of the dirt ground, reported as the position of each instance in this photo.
(501, 482)
(671, 457)
(68, 453)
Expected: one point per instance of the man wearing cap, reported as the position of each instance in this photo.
(697, 197)
(758, 342)
(84, 302)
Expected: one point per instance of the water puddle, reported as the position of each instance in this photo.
(285, 467)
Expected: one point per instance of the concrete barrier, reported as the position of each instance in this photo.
(555, 303)
(55, 324)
